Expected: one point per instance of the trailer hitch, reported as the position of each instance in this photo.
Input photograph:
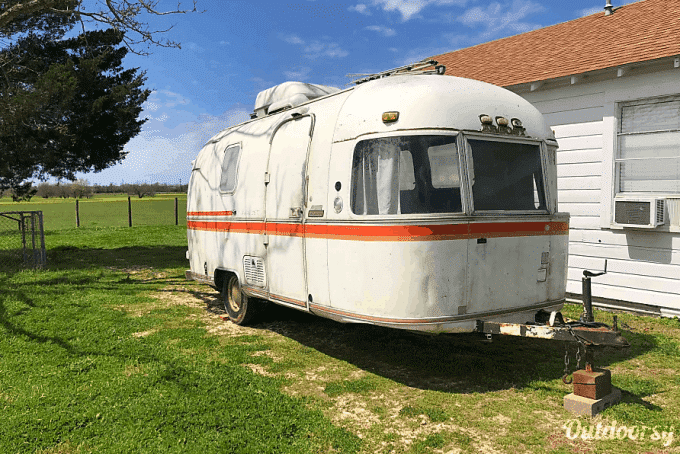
(585, 333)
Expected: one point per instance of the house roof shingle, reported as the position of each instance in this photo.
(642, 31)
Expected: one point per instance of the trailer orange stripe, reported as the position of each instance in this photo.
(434, 232)
(210, 213)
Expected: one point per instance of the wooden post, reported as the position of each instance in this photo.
(176, 218)
(129, 212)
(77, 214)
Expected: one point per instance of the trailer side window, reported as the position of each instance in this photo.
(406, 175)
(507, 176)
(230, 168)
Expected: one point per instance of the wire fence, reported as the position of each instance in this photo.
(103, 212)
(22, 239)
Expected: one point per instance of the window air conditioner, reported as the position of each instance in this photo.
(646, 213)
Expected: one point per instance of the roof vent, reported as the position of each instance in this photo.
(608, 8)
(287, 95)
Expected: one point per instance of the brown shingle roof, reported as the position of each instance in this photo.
(646, 30)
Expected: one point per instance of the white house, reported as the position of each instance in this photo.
(609, 84)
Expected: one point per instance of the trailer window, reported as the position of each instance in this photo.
(406, 175)
(506, 176)
(229, 168)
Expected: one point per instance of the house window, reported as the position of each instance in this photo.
(649, 146)
(230, 168)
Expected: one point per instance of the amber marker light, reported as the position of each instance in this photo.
(390, 117)
(486, 119)
(502, 121)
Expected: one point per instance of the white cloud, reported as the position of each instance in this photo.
(316, 49)
(299, 74)
(150, 106)
(497, 18)
(589, 11)
(385, 31)
(407, 8)
(224, 43)
(361, 9)
(192, 46)
(293, 39)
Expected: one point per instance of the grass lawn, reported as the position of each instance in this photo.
(111, 350)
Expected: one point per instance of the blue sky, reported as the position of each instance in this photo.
(234, 49)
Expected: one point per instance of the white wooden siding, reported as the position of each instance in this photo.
(643, 266)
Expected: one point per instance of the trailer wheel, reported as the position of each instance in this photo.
(239, 307)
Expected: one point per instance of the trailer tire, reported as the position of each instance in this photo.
(240, 308)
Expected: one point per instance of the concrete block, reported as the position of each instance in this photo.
(579, 405)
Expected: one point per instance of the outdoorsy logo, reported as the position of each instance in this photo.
(574, 429)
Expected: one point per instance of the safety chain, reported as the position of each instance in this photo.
(565, 380)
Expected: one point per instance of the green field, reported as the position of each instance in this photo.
(111, 350)
(103, 210)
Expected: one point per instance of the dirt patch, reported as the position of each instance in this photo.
(259, 370)
(132, 369)
(138, 272)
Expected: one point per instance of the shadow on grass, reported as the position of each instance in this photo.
(69, 257)
(457, 363)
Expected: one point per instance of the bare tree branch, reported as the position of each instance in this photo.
(121, 15)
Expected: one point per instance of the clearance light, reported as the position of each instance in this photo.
(487, 123)
(390, 117)
(486, 119)
(517, 128)
(503, 125)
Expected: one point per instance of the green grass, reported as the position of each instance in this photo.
(361, 385)
(104, 210)
(111, 350)
(81, 371)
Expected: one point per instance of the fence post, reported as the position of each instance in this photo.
(77, 215)
(129, 212)
(176, 218)
(43, 253)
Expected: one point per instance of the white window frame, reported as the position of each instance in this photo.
(238, 164)
(660, 85)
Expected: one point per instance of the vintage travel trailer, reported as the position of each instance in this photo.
(411, 200)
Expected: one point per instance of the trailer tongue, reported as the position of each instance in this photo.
(585, 333)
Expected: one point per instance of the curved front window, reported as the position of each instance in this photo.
(506, 176)
(406, 175)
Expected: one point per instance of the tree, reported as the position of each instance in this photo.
(66, 106)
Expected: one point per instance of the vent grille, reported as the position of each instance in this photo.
(253, 268)
(635, 213)
(659, 211)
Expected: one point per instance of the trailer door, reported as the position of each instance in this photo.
(285, 194)
(509, 248)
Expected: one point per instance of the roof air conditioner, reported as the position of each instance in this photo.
(646, 213)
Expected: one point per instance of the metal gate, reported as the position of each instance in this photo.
(22, 239)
